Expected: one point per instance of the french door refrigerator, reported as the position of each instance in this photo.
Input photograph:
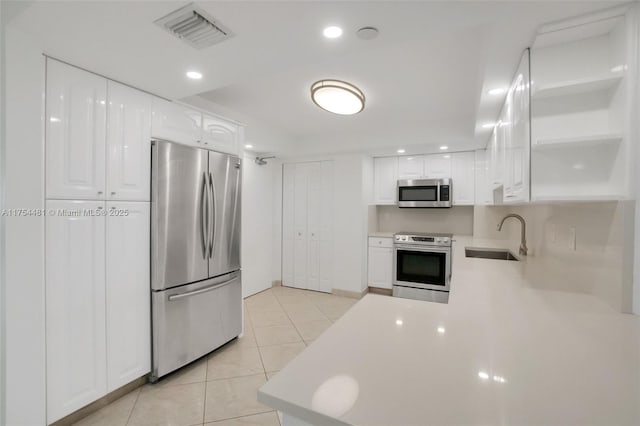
(196, 294)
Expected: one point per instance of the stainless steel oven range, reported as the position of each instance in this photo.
(422, 266)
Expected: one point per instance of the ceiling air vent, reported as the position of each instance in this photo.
(194, 26)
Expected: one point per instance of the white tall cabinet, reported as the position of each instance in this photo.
(128, 147)
(307, 202)
(127, 292)
(98, 166)
(75, 133)
(76, 303)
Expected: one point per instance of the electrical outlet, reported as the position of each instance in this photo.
(572, 238)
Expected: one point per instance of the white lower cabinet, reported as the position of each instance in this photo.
(127, 290)
(380, 262)
(75, 306)
(307, 235)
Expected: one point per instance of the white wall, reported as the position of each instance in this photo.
(257, 225)
(350, 223)
(2, 221)
(24, 272)
(601, 263)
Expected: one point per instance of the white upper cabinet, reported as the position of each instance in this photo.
(437, 166)
(75, 300)
(177, 123)
(221, 135)
(75, 132)
(484, 193)
(411, 167)
(127, 289)
(463, 178)
(518, 141)
(128, 144)
(385, 180)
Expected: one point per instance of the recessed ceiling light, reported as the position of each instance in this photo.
(483, 375)
(441, 330)
(248, 146)
(489, 125)
(497, 91)
(338, 97)
(401, 151)
(332, 32)
(443, 147)
(194, 75)
(399, 322)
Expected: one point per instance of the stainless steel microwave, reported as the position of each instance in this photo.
(424, 193)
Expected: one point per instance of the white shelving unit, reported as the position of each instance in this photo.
(580, 83)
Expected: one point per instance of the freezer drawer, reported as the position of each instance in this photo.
(193, 320)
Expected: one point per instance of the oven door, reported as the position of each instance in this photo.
(422, 267)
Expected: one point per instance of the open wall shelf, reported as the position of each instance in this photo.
(574, 87)
(612, 139)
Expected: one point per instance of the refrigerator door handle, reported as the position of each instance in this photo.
(212, 215)
(204, 219)
(202, 290)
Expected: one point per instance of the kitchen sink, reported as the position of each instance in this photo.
(489, 253)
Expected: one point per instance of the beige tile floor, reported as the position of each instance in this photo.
(221, 388)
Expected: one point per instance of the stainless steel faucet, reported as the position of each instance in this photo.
(523, 240)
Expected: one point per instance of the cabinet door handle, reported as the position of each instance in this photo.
(99, 192)
(113, 193)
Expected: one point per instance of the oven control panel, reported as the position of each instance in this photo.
(425, 240)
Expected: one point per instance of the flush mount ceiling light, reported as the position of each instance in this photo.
(332, 32)
(443, 147)
(338, 97)
(401, 151)
(194, 75)
(248, 146)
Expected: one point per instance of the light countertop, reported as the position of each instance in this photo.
(382, 234)
(503, 351)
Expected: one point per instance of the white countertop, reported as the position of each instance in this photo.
(382, 234)
(503, 351)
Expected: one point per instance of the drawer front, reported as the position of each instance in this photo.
(380, 242)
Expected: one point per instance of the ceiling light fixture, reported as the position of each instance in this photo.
(338, 97)
(248, 146)
(401, 151)
(332, 32)
(194, 75)
(443, 147)
(497, 91)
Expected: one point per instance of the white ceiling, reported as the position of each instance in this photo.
(425, 77)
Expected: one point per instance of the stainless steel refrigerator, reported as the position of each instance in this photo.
(196, 293)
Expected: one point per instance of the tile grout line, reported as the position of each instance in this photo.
(134, 405)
